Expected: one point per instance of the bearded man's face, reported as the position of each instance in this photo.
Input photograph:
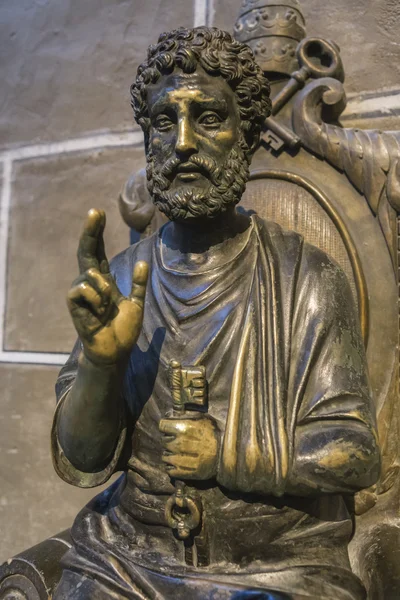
(197, 164)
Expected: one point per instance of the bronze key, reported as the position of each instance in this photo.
(188, 387)
(317, 58)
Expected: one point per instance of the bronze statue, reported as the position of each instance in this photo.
(233, 390)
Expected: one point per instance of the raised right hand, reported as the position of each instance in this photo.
(108, 323)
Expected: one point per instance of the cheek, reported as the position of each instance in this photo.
(155, 144)
(226, 138)
(160, 147)
(222, 141)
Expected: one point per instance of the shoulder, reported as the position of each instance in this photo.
(282, 239)
(322, 285)
(291, 243)
(324, 270)
(284, 247)
(139, 251)
(317, 275)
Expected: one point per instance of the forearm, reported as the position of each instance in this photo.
(89, 421)
(333, 457)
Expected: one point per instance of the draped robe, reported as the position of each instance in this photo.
(276, 329)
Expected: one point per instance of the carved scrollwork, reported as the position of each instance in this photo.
(18, 587)
(34, 574)
(248, 5)
(369, 158)
(135, 205)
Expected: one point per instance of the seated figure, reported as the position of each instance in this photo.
(232, 389)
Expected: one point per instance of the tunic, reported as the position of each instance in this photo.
(276, 328)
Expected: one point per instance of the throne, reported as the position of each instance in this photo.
(340, 189)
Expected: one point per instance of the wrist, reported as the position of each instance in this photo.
(87, 363)
(97, 380)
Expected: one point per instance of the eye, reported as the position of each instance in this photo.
(210, 119)
(162, 123)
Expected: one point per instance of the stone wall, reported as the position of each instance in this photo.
(68, 142)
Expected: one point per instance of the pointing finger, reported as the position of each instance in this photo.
(101, 252)
(91, 247)
(139, 281)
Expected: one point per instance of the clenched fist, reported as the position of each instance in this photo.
(108, 323)
(191, 446)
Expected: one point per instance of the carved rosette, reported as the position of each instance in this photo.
(35, 573)
(273, 30)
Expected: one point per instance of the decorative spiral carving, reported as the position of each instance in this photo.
(18, 587)
(35, 573)
(369, 158)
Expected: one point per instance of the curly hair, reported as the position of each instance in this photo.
(219, 54)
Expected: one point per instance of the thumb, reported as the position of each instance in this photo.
(139, 281)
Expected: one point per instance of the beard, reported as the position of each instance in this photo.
(227, 184)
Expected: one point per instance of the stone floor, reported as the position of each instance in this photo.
(67, 143)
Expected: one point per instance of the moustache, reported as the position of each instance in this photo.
(204, 164)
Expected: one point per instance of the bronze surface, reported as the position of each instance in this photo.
(252, 458)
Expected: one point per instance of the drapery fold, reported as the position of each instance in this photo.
(255, 449)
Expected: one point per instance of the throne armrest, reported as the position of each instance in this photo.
(35, 573)
(376, 559)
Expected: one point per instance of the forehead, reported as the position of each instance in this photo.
(190, 87)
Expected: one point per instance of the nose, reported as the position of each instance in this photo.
(186, 142)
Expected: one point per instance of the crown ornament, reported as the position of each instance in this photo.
(273, 31)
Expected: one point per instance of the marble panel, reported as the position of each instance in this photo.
(67, 65)
(34, 502)
(50, 198)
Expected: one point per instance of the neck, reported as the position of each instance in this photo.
(200, 235)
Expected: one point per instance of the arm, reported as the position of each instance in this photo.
(334, 439)
(333, 456)
(89, 418)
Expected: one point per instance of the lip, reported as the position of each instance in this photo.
(188, 176)
(188, 172)
(188, 167)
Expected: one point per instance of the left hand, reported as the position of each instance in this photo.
(191, 446)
